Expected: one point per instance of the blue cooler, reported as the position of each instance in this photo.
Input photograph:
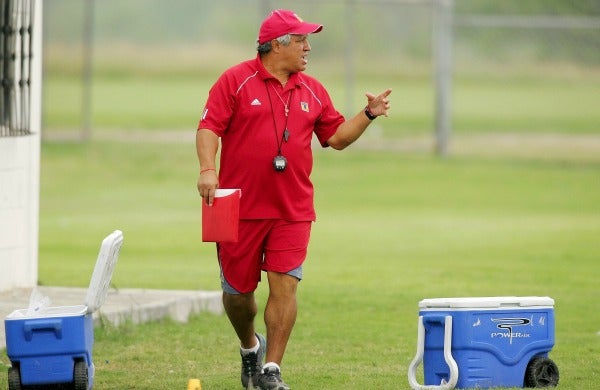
(53, 345)
(485, 342)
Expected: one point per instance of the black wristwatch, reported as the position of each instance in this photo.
(368, 114)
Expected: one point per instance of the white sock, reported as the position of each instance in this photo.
(251, 350)
(271, 364)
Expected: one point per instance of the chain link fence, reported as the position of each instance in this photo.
(516, 65)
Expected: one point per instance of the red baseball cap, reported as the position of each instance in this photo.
(281, 22)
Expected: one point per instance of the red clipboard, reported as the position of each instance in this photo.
(220, 221)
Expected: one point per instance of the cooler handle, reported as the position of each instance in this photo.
(412, 369)
(30, 326)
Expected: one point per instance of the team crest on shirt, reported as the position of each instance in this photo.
(304, 106)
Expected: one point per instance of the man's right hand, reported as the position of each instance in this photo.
(208, 182)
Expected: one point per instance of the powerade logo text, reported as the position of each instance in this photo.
(510, 328)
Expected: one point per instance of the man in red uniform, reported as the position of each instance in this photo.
(265, 112)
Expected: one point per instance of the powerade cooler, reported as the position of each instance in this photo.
(485, 342)
(53, 345)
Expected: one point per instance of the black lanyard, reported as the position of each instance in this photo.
(285, 134)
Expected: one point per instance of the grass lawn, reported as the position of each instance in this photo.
(479, 105)
(392, 229)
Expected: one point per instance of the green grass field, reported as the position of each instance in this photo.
(480, 104)
(392, 229)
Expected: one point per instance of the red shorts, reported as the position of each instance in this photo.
(264, 244)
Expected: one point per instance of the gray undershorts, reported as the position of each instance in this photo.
(296, 272)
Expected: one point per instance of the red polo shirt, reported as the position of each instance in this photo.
(246, 108)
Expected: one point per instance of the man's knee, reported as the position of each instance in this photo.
(238, 300)
(282, 284)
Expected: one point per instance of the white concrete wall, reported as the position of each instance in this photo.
(19, 189)
(19, 186)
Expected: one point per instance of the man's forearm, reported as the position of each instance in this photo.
(207, 145)
(349, 131)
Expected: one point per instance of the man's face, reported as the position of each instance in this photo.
(295, 54)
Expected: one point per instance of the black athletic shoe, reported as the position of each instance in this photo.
(270, 379)
(252, 363)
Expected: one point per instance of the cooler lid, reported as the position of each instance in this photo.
(105, 264)
(48, 312)
(484, 302)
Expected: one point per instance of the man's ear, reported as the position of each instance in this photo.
(275, 45)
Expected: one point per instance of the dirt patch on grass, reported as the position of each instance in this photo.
(544, 146)
(579, 147)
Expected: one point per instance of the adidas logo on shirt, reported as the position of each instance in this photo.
(255, 102)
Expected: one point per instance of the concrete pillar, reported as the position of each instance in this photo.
(20, 185)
